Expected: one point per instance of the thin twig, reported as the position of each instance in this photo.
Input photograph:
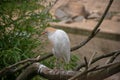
(86, 63)
(21, 67)
(90, 61)
(112, 58)
(106, 66)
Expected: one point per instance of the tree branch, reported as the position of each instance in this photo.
(50, 74)
(98, 58)
(27, 61)
(113, 58)
(10, 68)
(45, 72)
(28, 73)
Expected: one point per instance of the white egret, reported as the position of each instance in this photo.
(60, 42)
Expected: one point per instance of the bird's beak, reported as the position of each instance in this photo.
(44, 32)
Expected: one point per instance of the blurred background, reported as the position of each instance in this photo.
(22, 21)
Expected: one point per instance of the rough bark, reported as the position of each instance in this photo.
(95, 74)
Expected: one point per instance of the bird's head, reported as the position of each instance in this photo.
(48, 31)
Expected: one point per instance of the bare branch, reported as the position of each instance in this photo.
(98, 58)
(106, 72)
(113, 58)
(86, 63)
(105, 66)
(39, 69)
(17, 69)
(44, 71)
(29, 72)
(90, 61)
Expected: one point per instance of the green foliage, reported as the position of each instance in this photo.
(20, 22)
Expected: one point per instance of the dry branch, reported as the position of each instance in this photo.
(113, 58)
(98, 58)
(91, 58)
(44, 71)
(39, 69)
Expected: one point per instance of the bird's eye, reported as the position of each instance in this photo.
(44, 32)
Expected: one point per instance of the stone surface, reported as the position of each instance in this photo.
(69, 8)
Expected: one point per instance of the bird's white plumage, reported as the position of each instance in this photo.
(61, 43)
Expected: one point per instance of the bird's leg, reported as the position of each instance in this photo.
(62, 65)
(67, 66)
(57, 64)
